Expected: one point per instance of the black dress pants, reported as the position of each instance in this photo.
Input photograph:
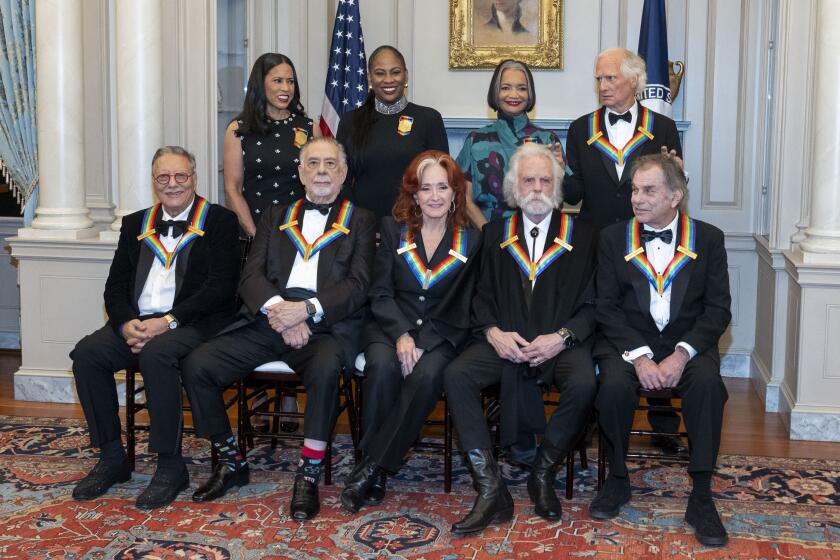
(95, 359)
(395, 406)
(217, 364)
(703, 397)
(479, 367)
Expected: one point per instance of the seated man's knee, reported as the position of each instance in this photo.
(87, 351)
(196, 366)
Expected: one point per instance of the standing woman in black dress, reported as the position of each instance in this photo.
(261, 151)
(420, 301)
(382, 136)
(262, 144)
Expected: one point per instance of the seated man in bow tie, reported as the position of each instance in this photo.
(305, 284)
(172, 286)
(663, 304)
(532, 316)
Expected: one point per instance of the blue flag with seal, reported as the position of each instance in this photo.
(653, 48)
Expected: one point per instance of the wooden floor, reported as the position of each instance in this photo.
(747, 429)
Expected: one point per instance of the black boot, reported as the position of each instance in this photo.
(541, 482)
(376, 492)
(364, 475)
(494, 502)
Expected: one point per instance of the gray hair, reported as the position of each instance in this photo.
(632, 66)
(342, 155)
(176, 151)
(674, 175)
(512, 176)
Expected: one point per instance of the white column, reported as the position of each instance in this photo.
(61, 209)
(139, 58)
(823, 233)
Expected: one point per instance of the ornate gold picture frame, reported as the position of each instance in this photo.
(484, 32)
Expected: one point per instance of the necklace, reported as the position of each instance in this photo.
(393, 109)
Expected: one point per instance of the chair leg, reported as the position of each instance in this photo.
(350, 405)
(602, 460)
(242, 411)
(447, 448)
(130, 434)
(570, 474)
(328, 465)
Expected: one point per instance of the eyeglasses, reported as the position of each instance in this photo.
(313, 164)
(180, 178)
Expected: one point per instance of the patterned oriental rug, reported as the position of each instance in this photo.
(773, 508)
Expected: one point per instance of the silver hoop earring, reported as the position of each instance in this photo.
(452, 210)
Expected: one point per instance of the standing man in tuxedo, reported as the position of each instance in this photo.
(172, 285)
(533, 313)
(305, 284)
(600, 148)
(663, 304)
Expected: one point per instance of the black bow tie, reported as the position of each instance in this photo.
(666, 236)
(178, 227)
(322, 208)
(615, 117)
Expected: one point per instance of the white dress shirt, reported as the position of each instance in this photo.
(535, 249)
(659, 254)
(158, 293)
(304, 274)
(622, 131)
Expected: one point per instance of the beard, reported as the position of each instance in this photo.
(536, 203)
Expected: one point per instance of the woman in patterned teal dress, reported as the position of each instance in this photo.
(487, 151)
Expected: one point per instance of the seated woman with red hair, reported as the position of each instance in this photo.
(419, 297)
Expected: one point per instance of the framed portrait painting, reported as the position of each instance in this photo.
(484, 32)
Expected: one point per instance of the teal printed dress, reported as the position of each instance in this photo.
(485, 156)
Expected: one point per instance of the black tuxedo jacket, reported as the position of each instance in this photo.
(700, 297)
(563, 296)
(206, 273)
(399, 303)
(344, 271)
(606, 197)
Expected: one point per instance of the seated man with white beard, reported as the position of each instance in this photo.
(532, 317)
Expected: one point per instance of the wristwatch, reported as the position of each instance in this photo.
(311, 310)
(173, 322)
(568, 338)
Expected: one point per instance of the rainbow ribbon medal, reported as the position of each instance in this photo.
(338, 229)
(150, 237)
(562, 244)
(598, 138)
(682, 256)
(428, 278)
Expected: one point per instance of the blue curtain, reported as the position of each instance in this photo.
(18, 138)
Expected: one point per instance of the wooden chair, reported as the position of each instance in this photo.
(642, 454)
(268, 377)
(492, 413)
(446, 423)
(133, 406)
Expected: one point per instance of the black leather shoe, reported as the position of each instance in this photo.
(376, 492)
(305, 502)
(165, 486)
(541, 483)
(493, 503)
(702, 515)
(103, 475)
(607, 504)
(669, 444)
(358, 485)
(224, 478)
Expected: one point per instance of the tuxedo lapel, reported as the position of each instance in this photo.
(609, 165)
(523, 242)
(286, 250)
(327, 254)
(679, 285)
(184, 255)
(145, 258)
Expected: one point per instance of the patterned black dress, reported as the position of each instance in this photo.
(271, 163)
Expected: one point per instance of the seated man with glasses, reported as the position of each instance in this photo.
(171, 286)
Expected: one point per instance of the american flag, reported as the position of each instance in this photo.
(346, 87)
